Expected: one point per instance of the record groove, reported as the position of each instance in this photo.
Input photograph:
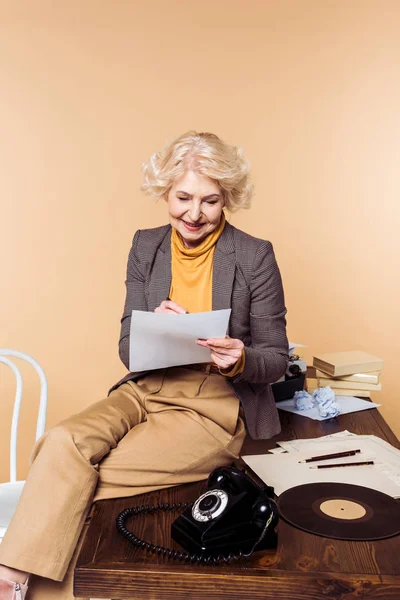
(341, 511)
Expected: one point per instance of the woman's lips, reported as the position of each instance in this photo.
(191, 226)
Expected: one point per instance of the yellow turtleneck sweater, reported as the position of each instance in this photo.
(191, 284)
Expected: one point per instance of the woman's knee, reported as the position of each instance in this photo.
(55, 437)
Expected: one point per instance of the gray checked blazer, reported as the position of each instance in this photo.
(246, 279)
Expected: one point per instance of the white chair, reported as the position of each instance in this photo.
(11, 491)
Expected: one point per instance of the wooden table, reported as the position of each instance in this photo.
(303, 567)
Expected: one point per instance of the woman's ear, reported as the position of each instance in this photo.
(224, 199)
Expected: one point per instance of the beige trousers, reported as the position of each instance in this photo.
(170, 427)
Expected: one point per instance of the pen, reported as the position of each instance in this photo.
(326, 456)
(354, 464)
(169, 299)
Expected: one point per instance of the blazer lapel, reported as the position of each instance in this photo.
(160, 278)
(223, 269)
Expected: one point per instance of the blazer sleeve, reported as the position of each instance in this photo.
(135, 297)
(267, 355)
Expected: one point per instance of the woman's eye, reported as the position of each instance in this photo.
(181, 198)
(211, 201)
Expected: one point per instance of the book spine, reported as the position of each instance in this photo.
(357, 377)
(348, 385)
(361, 393)
(324, 366)
(341, 392)
(345, 370)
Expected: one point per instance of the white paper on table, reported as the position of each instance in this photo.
(369, 445)
(343, 440)
(296, 445)
(277, 450)
(159, 340)
(283, 471)
(348, 404)
(386, 456)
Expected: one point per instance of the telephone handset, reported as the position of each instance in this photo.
(233, 518)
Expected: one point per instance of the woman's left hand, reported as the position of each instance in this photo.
(225, 352)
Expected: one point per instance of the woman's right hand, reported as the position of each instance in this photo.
(168, 306)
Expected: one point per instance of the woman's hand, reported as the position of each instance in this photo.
(225, 352)
(168, 306)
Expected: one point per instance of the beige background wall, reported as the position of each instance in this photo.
(309, 88)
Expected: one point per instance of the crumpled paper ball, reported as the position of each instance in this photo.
(325, 398)
(303, 400)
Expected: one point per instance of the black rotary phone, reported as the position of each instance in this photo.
(233, 518)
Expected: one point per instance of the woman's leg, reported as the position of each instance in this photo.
(192, 427)
(41, 588)
(59, 490)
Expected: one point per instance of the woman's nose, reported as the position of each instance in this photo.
(195, 212)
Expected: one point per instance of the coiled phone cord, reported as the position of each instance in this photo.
(174, 554)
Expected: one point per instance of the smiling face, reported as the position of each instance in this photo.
(195, 204)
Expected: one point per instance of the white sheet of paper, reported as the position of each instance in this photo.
(159, 340)
(368, 444)
(386, 456)
(283, 471)
(348, 404)
(296, 445)
(277, 450)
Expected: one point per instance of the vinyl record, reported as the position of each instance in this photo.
(341, 511)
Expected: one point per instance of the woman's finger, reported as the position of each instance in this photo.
(160, 309)
(226, 356)
(221, 344)
(226, 351)
(175, 307)
(234, 352)
(168, 306)
(224, 342)
(222, 362)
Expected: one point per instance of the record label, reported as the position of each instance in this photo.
(341, 511)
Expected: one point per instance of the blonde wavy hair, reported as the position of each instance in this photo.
(206, 154)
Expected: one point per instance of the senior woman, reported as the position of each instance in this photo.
(168, 426)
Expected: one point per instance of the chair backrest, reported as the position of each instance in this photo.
(41, 420)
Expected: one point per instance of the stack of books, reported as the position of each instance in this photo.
(353, 373)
